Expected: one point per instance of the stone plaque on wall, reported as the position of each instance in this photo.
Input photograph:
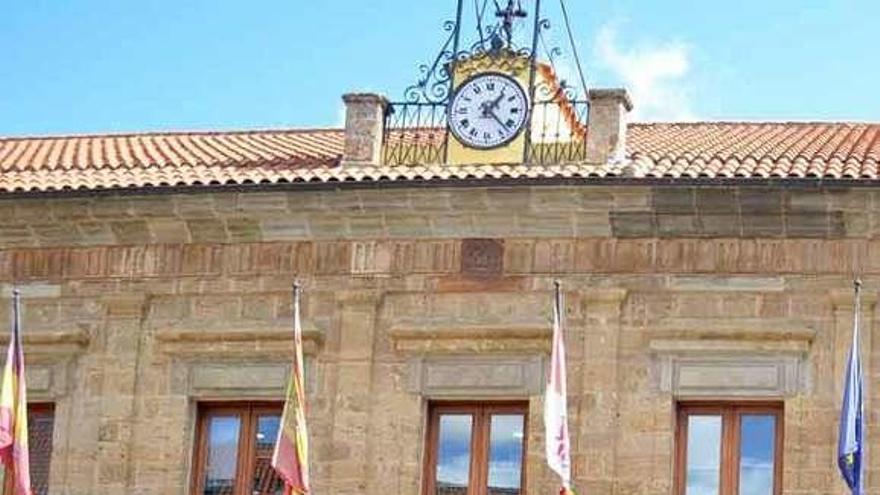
(482, 257)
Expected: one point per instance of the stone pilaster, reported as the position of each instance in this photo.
(596, 443)
(352, 402)
(113, 389)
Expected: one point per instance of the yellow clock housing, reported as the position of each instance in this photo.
(508, 63)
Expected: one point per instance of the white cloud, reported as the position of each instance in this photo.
(656, 75)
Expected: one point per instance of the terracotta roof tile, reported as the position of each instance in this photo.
(664, 150)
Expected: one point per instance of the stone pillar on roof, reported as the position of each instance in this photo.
(606, 134)
(364, 128)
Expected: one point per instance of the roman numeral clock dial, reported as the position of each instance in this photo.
(488, 111)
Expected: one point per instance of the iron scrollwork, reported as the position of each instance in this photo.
(435, 82)
(434, 85)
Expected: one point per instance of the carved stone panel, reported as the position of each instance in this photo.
(730, 376)
(476, 376)
(242, 377)
(234, 379)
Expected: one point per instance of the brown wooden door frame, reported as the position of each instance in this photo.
(731, 414)
(481, 414)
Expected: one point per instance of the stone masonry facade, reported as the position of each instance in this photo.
(137, 307)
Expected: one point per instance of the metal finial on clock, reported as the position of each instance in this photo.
(508, 16)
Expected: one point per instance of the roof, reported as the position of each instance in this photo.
(664, 150)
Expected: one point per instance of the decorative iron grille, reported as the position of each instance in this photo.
(415, 133)
(558, 132)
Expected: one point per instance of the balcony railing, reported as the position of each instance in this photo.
(416, 133)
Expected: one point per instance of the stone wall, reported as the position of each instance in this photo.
(138, 307)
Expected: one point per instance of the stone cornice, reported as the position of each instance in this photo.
(42, 347)
(467, 340)
(77, 337)
(742, 330)
(844, 299)
(368, 297)
(272, 340)
(605, 295)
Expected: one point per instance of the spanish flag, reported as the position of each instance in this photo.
(291, 457)
(13, 412)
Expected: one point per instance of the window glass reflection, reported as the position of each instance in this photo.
(703, 455)
(40, 426)
(223, 436)
(505, 454)
(757, 439)
(266, 482)
(454, 454)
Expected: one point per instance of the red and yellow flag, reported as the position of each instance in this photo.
(291, 457)
(13, 413)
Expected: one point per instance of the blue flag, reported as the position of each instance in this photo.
(850, 446)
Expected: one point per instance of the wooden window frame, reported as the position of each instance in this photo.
(731, 415)
(248, 413)
(481, 412)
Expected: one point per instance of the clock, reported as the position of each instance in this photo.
(488, 110)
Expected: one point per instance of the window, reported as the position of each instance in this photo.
(476, 449)
(41, 425)
(729, 449)
(233, 454)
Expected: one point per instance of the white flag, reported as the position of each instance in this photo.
(556, 403)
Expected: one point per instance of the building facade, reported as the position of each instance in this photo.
(708, 307)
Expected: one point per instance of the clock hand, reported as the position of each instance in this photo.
(497, 119)
(498, 100)
(488, 106)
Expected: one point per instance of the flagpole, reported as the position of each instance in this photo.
(16, 312)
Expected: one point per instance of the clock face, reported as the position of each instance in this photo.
(488, 110)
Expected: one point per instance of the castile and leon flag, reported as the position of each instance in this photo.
(291, 456)
(556, 403)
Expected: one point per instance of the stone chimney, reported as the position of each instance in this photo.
(364, 128)
(606, 135)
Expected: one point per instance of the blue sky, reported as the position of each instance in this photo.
(107, 65)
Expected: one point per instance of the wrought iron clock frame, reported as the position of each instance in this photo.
(435, 86)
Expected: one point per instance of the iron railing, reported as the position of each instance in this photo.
(416, 133)
(558, 132)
